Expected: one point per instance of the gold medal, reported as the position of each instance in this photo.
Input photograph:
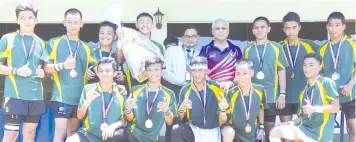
(148, 123)
(335, 76)
(248, 128)
(260, 75)
(73, 73)
(103, 126)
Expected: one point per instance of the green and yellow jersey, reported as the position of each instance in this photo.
(296, 85)
(12, 54)
(274, 60)
(137, 126)
(236, 111)
(320, 126)
(67, 89)
(94, 115)
(346, 64)
(196, 115)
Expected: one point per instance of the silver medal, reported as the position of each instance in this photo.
(73, 73)
(148, 123)
(335, 76)
(260, 75)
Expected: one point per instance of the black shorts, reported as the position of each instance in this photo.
(15, 110)
(290, 109)
(271, 113)
(349, 109)
(62, 110)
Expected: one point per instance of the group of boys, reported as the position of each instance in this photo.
(294, 76)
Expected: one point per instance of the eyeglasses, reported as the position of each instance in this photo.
(190, 37)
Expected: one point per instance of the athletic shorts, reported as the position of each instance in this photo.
(349, 109)
(62, 110)
(290, 109)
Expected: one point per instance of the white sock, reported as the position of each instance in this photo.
(271, 139)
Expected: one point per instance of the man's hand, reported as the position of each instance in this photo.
(90, 74)
(130, 103)
(91, 95)
(223, 105)
(163, 106)
(187, 104)
(108, 132)
(69, 63)
(40, 72)
(24, 71)
(281, 102)
(347, 89)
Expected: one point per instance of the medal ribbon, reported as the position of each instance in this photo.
(27, 56)
(336, 60)
(101, 53)
(292, 62)
(70, 47)
(310, 100)
(149, 108)
(105, 110)
(204, 96)
(260, 59)
(247, 113)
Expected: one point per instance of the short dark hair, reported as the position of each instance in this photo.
(199, 60)
(154, 60)
(337, 15)
(108, 24)
(191, 27)
(170, 40)
(291, 16)
(108, 60)
(245, 62)
(314, 56)
(263, 19)
(26, 7)
(73, 11)
(144, 14)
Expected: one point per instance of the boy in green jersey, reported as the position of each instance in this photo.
(319, 103)
(69, 59)
(21, 56)
(339, 64)
(295, 49)
(102, 107)
(150, 105)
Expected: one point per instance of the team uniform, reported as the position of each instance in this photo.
(320, 126)
(345, 68)
(132, 81)
(236, 112)
(221, 64)
(296, 79)
(23, 96)
(99, 54)
(202, 120)
(269, 60)
(114, 105)
(67, 90)
(138, 127)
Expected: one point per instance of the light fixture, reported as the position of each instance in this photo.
(158, 17)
